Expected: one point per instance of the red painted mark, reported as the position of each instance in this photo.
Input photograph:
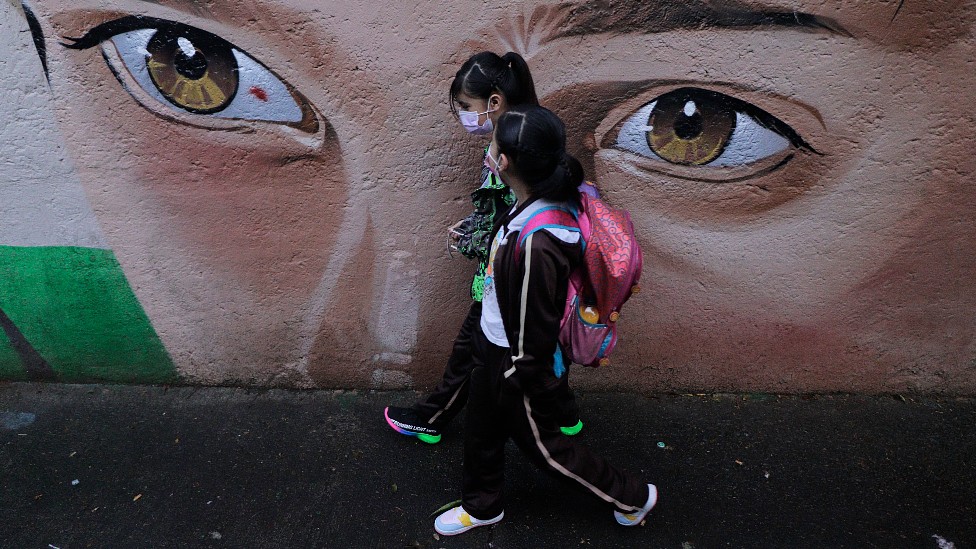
(259, 93)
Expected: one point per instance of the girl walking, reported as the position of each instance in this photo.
(514, 391)
(485, 87)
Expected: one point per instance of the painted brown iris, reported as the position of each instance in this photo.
(193, 73)
(690, 127)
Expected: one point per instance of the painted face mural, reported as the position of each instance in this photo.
(256, 191)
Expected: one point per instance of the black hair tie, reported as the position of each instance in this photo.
(564, 162)
(497, 80)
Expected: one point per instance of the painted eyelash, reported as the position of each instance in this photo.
(762, 118)
(772, 123)
(107, 30)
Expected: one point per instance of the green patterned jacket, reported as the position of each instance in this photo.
(491, 201)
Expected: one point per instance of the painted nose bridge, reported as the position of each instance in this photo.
(374, 268)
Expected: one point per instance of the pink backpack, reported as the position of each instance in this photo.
(603, 282)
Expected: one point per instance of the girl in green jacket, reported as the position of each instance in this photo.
(485, 87)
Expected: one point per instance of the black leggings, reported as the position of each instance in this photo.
(451, 394)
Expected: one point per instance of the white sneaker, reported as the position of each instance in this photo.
(456, 521)
(628, 519)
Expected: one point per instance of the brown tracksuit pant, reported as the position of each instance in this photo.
(497, 412)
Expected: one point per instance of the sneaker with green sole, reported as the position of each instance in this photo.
(407, 421)
(572, 430)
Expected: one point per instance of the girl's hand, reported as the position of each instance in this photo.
(453, 233)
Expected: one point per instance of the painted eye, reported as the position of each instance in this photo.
(201, 76)
(192, 71)
(696, 127)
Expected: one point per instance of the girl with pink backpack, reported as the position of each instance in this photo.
(513, 387)
(485, 87)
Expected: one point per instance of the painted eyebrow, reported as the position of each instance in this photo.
(643, 17)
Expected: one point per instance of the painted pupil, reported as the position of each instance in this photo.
(193, 67)
(690, 127)
(196, 74)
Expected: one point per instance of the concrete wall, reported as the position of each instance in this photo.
(287, 225)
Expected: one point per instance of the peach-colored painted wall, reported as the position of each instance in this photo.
(268, 251)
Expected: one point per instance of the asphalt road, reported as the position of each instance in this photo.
(115, 466)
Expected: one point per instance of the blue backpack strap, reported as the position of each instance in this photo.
(551, 217)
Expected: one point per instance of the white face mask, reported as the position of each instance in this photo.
(469, 119)
(489, 160)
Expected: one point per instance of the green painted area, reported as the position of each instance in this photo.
(77, 310)
(10, 367)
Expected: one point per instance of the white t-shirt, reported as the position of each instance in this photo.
(491, 314)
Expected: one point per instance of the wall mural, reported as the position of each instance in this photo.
(258, 192)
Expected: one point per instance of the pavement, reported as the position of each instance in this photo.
(137, 466)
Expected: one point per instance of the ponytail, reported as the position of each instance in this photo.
(520, 90)
(485, 73)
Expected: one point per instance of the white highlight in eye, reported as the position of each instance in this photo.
(188, 48)
(272, 102)
(749, 142)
